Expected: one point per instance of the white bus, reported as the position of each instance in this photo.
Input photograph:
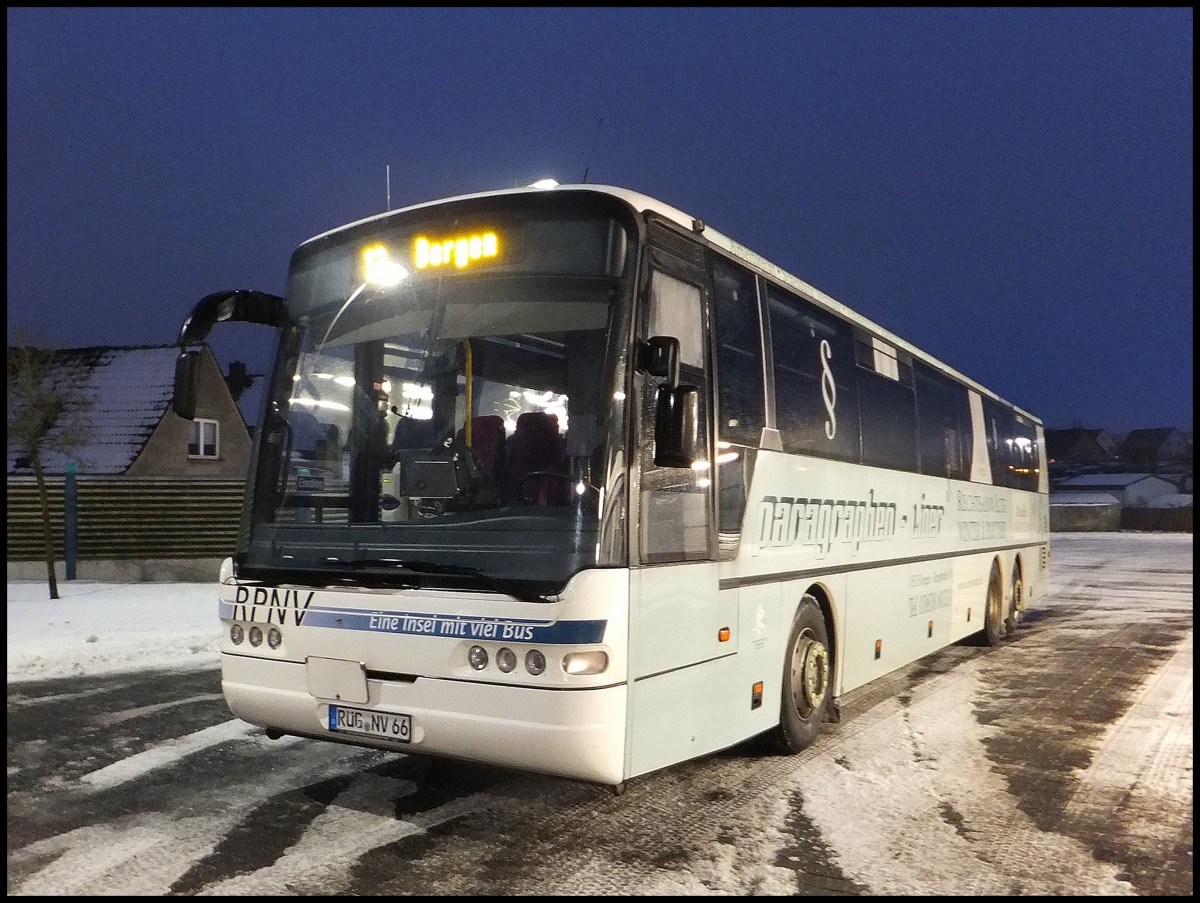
(561, 479)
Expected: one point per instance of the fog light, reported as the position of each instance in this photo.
(236, 634)
(535, 662)
(274, 638)
(585, 662)
(477, 657)
(506, 659)
(255, 636)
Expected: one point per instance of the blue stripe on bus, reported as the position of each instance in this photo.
(441, 625)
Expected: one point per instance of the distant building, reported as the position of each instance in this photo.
(1156, 448)
(133, 431)
(1130, 489)
(1080, 447)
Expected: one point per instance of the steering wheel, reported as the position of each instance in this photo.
(573, 483)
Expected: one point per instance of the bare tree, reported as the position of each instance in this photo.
(47, 412)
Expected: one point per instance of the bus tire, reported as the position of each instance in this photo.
(995, 619)
(807, 681)
(1016, 602)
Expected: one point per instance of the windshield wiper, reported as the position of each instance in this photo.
(518, 589)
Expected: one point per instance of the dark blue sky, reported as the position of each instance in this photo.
(1010, 190)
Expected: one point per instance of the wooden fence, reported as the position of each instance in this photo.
(120, 518)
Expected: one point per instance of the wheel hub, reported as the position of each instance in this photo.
(814, 671)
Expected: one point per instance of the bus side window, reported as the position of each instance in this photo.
(816, 399)
(886, 404)
(739, 359)
(998, 421)
(943, 424)
(741, 408)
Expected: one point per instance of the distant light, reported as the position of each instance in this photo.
(544, 183)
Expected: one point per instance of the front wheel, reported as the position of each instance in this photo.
(807, 681)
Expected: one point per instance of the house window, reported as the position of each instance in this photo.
(203, 440)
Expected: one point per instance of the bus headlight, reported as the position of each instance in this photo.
(477, 657)
(236, 634)
(585, 662)
(274, 638)
(255, 636)
(535, 662)
(506, 659)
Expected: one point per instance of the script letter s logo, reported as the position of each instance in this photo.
(828, 389)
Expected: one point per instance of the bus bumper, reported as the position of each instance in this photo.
(577, 733)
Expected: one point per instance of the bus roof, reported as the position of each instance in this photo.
(643, 203)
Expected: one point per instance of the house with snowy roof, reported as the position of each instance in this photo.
(1133, 490)
(131, 430)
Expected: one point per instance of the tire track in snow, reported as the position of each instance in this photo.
(361, 819)
(146, 853)
(918, 788)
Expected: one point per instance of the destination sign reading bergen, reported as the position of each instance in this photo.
(460, 250)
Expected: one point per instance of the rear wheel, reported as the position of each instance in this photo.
(807, 681)
(1016, 602)
(995, 617)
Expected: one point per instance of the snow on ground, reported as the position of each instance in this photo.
(102, 628)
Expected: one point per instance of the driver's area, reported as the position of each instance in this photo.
(390, 432)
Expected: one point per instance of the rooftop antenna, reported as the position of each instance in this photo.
(599, 122)
(388, 175)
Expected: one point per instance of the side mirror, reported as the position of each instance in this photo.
(238, 306)
(187, 376)
(676, 415)
(659, 356)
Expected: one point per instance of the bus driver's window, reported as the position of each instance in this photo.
(675, 501)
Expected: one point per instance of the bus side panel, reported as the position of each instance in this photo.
(675, 716)
(688, 712)
(683, 648)
(765, 614)
(896, 615)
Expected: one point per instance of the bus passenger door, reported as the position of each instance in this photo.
(681, 627)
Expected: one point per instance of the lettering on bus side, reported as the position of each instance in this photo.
(276, 604)
(982, 517)
(931, 591)
(788, 521)
(927, 519)
(433, 626)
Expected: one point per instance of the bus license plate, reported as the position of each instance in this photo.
(383, 725)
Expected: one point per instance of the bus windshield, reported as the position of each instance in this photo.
(449, 408)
